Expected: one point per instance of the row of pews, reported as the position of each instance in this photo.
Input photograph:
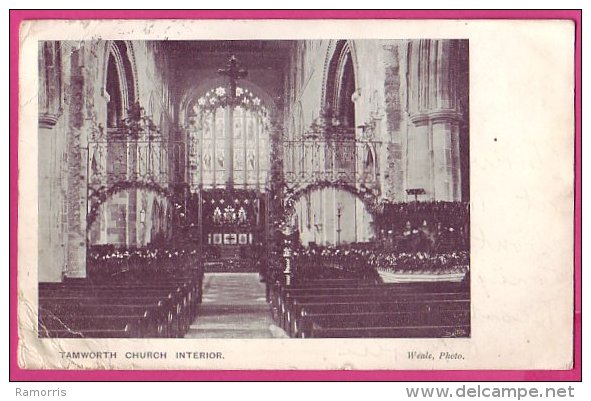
(159, 305)
(353, 308)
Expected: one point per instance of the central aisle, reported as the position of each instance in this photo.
(234, 306)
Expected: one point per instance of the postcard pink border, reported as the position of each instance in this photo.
(17, 374)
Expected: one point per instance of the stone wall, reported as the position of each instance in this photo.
(53, 117)
(72, 106)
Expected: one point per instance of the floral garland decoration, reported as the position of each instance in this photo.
(98, 196)
(292, 195)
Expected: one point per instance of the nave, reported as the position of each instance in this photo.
(254, 189)
(234, 306)
(330, 296)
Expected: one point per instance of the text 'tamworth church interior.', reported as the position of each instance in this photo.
(254, 189)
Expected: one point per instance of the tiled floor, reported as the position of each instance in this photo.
(234, 306)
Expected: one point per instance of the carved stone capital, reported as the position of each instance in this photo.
(47, 120)
(442, 115)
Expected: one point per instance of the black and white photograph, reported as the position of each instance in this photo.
(295, 195)
(252, 189)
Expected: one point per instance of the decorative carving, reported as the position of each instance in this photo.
(368, 130)
(436, 116)
(330, 159)
(48, 120)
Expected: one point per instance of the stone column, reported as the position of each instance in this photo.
(49, 268)
(77, 170)
(392, 166)
(51, 246)
(435, 112)
(446, 158)
(419, 150)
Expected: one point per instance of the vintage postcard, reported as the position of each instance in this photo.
(296, 194)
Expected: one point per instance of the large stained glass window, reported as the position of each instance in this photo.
(229, 141)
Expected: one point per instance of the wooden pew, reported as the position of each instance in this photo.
(381, 319)
(176, 301)
(126, 332)
(391, 332)
(314, 308)
(288, 310)
(170, 304)
(156, 305)
(284, 294)
(155, 317)
(81, 326)
(334, 282)
(303, 313)
(188, 291)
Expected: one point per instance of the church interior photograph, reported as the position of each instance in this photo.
(254, 189)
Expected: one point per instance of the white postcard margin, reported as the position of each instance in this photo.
(521, 93)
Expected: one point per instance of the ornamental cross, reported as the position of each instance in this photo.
(234, 72)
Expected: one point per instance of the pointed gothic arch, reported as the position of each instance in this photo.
(194, 92)
(340, 82)
(120, 85)
(218, 159)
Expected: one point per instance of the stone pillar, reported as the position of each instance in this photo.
(419, 158)
(435, 112)
(392, 167)
(446, 159)
(50, 264)
(51, 246)
(77, 170)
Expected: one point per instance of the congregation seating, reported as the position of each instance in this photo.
(154, 303)
(337, 292)
(425, 226)
(449, 214)
(392, 332)
(357, 308)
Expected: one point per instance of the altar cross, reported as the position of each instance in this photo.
(234, 72)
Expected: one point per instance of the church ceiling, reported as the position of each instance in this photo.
(195, 62)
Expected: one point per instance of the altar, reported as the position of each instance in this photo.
(234, 229)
